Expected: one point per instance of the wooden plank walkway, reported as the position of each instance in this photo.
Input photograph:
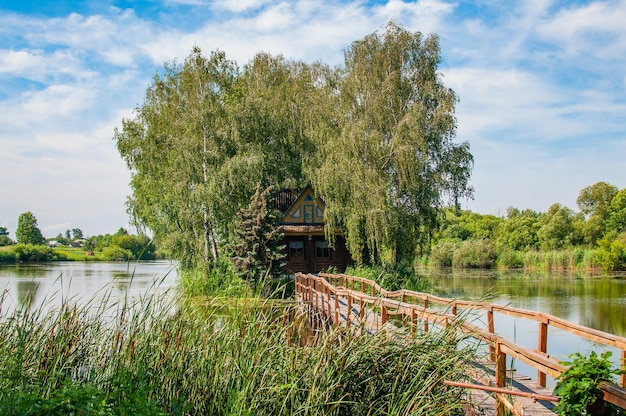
(361, 304)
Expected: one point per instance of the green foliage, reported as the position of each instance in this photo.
(255, 243)
(442, 254)
(519, 230)
(510, 259)
(4, 237)
(611, 252)
(556, 228)
(116, 253)
(391, 277)
(215, 279)
(141, 247)
(7, 256)
(27, 231)
(616, 220)
(474, 254)
(30, 252)
(5, 241)
(578, 388)
(388, 160)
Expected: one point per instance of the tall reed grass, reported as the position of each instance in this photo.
(156, 356)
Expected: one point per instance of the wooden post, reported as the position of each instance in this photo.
(622, 378)
(336, 307)
(362, 286)
(349, 313)
(426, 317)
(500, 377)
(413, 322)
(491, 328)
(383, 311)
(454, 309)
(542, 346)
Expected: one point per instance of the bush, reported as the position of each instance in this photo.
(442, 254)
(7, 256)
(30, 252)
(218, 279)
(115, 253)
(474, 254)
(579, 386)
(611, 252)
(511, 259)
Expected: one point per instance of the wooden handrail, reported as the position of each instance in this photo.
(416, 306)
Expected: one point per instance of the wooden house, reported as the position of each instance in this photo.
(306, 249)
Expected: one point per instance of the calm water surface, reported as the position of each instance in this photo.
(51, 283)
(594, 301)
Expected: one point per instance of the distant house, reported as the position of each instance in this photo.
(306, 248)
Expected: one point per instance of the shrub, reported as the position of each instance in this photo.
(7, 256)
(442, 254)
(611, 252)
(219, 279)
(511, 259)
(579, 386)
(474, 254)
(30, 252)
(115, 253)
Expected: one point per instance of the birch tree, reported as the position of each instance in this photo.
(391, 160)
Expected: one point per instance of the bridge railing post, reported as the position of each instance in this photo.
(622, 378)
(542, 346)
(491, 329)
(349, 312)
(500, 377)
(336, 308)
(383, 313)
(426, 317)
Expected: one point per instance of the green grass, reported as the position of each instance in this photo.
(165, 357)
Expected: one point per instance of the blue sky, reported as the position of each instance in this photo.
(542, 88)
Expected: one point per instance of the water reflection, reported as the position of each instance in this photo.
(596, 302)
(591, 300)
(26, 291)
(49, 283)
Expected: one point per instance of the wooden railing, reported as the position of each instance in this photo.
(366, 303)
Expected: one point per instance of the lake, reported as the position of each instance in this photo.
(594, 301)
(50, 283)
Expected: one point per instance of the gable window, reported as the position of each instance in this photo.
(308, 214)
(297, 213)
(296, 249)
(322, 250)
(319, 212)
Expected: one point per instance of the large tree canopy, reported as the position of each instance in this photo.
(386, 168)
(375, 138)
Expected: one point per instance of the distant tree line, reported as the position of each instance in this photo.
(595, 236)
(31, 245)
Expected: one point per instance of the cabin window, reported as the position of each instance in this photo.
(296, 249)
(319, 213)
(321, 249)
(308, 214)
(297, 213)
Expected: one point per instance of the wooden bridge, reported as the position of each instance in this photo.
(362, 304)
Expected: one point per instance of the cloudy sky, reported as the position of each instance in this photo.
(542, 87)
